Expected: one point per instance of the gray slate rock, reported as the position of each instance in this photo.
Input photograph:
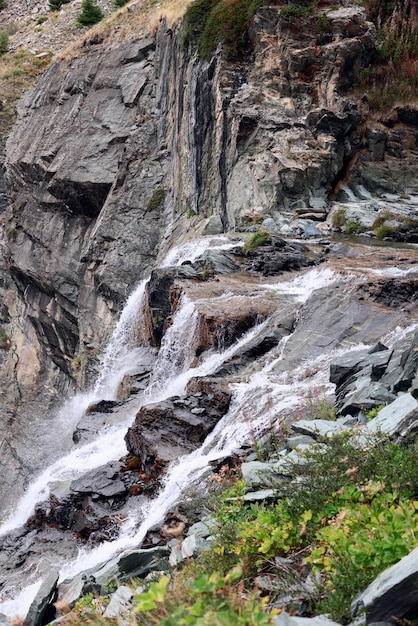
(258, 474)
(294, 442)
(204, 528)
(284, 619)
(318, 428)
(392, 594)
(44, 597)
(132, 564)
(394, 418)
(120, 606)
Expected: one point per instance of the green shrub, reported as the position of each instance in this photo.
(4, 42)
(294, 10)
(3, 4)
(42, 19)
(120, 3)
(227, 21)
(384, 231)
(90, 14)
(54, 5)
(372, 530)
(208, 599)
(156, 199)
(258, 239)
(338, 218)
(353, 228)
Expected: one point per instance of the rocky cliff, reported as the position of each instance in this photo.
(130, 144)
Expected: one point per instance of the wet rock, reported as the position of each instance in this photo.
(41, 611)
(284, 619)
(162, 432)
(259, 474)
(392, 595)
(394, 293)
(132, 564)
(120, 605)
(105, 481)
(395, 419)
(318, 429)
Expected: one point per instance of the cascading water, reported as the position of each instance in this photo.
(265, 397)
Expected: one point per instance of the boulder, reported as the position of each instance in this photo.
(131, 564)
(394, 419)
(40, 609)
(284, 619)
(120, 605)
(164, 431)
(392, 596)
(318, 429)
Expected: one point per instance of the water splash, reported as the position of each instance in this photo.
(302, 287)
(119, 356)
(191, 250)
(177, 348)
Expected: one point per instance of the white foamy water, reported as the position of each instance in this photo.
(257, 402)
(118, 355)
(177, 348)
(191, 250)
(392, 272)
(302, 287)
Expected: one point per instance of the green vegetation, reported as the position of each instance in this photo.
(4, 42)
(90, 14)
(3, 4)
(210, 22)
(207, 599)
(338, 218)
(352, 227)
(393, 72)
(351, 515)
(156, 199)
(55, 5)
(17, 72)
(255, 241)
(120, 3)
(5, 342)
(294, 10)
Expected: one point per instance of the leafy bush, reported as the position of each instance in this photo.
(156, 199)
(90, 14)
(208, 599)
(294, 10)
(372, 530)
(120, 3)
(393, 73)
(258, 239)
(353, 228)
(4, 42)
(338, 218)
(210, 22)
(3, 4)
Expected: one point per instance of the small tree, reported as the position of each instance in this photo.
(90, 13)
(4, 42)
(54, 5)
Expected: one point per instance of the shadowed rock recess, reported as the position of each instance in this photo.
(230, 185)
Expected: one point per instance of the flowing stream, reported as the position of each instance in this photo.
(262, 399)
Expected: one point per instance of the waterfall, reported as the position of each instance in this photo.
(177, 349)
(119, 356)
(260, 399)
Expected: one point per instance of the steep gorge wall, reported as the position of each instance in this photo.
(101, 132)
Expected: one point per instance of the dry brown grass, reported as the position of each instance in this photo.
(18, 72)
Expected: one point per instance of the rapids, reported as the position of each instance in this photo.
(275, 389)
